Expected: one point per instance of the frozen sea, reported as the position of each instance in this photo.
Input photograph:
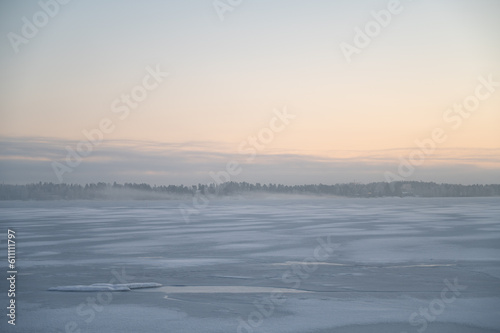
(291, 264)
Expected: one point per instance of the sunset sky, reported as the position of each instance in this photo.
(228, 79)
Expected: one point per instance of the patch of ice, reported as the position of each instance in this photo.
(132, 285)
(107, 287)
(226, 290)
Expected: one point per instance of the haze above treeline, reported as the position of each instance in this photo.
(108, 191)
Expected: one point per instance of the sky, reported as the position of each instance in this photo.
(281, 91)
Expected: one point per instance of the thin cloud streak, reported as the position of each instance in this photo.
(25, 160)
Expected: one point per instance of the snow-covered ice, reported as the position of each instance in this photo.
(255, 266)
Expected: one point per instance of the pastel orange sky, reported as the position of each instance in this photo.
(225, 78)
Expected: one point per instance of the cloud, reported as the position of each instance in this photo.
(29, 159)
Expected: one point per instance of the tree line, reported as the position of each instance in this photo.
(52, 191)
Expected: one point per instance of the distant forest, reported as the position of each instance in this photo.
(51, 191)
